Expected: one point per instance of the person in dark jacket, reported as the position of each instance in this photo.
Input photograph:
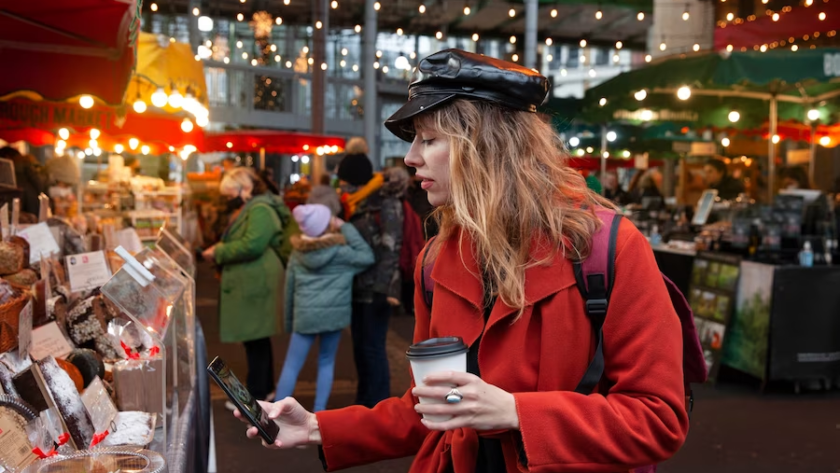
(319, 286)
(31, 177)
(718, 178)
(377, 214)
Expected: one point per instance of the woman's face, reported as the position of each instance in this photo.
(429, 154)
(231, 193)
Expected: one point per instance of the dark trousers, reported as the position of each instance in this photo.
(260, 380)
(370, 330)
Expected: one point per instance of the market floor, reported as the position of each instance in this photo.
(734, 428)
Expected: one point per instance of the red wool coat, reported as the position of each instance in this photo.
(540, 359)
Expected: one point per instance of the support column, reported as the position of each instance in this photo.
(771, 151)
(531, 12)
(603, 158)
(320, 11)
(195, 35)
(371, 102)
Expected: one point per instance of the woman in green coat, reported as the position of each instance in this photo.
(249, 255)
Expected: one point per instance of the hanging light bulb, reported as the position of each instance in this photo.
(554, 13)
(187, 125)
(422, 8)
(139, 106)
(734, 116)
(278, 21)
(475, 37)
(118, 148)
(399, 32)
(145, 150)
(696, 47)
(94, 134)
(377, 6)
(640, 16)
(729, 48)
(574, 142)
(358, 29)
(684, 93)
(334, 5)
(159, 98)
(515, 57)
(648, 58)
(640, 95)
(318, 25)
(86, 101)
(825, 140)
(467, 10)
(240, 17)
(439, 35)
(776, 139)
(583, 43)
(513, 40)
(153, 7)
(822, 16)
(599, 14)
(64, 134)
(133, 143)
(549, 41)
(611, 136)
(813, 114)
(663, 46)
(686, 15)
(776, 17)
(176, 100)
(511, 13)
(619, 45)
(730, 16)
(725, 142)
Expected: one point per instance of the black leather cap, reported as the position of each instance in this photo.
(453, 73)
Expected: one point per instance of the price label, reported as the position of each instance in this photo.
(87, 270)
(25, 329)
(41, 241)
(48, 340)
(15, 451)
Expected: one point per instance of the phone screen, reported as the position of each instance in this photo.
(247, 404)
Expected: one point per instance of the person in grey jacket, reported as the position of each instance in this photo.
(374, 208)
(319, 290)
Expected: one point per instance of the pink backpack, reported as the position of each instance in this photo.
(594, 277)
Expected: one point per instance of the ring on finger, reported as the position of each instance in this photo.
(454, 396)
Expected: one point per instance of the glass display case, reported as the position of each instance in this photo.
(154, 293)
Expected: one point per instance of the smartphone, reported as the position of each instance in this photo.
(243, 400)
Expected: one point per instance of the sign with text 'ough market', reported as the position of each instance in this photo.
(51, 115)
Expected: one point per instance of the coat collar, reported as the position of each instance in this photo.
(462, 276)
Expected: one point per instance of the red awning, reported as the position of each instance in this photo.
(273, 141)
(797, 23)
(593, 163)
(38, 123)
(60, 49)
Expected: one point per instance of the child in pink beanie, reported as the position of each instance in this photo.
(319, 291)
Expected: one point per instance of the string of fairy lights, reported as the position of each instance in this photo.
(470, 7)
(794, 43)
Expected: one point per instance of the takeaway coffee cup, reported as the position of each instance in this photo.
(434, 356)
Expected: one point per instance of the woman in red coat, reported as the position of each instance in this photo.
(513, 216)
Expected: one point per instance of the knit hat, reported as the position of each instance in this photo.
(355, 169)
(313, 219)
(63, 169)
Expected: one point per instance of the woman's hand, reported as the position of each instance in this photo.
(484, 406)
(297, 425)
(209, 254)
(393, 301)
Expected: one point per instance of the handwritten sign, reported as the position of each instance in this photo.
(25, 329)
(48, 340)
(87, 270)
(41, 241)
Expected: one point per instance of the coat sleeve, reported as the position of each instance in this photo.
(642, 418)
(261, 228)
(289, 302)
(357, 435)
(357, 252)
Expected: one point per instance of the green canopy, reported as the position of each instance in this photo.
(760, 87)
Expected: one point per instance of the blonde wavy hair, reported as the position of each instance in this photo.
(510, 182)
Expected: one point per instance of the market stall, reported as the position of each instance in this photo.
(99, 351)
(762, 283)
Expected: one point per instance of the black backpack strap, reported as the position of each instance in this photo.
(426, 283)
(595, 290)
